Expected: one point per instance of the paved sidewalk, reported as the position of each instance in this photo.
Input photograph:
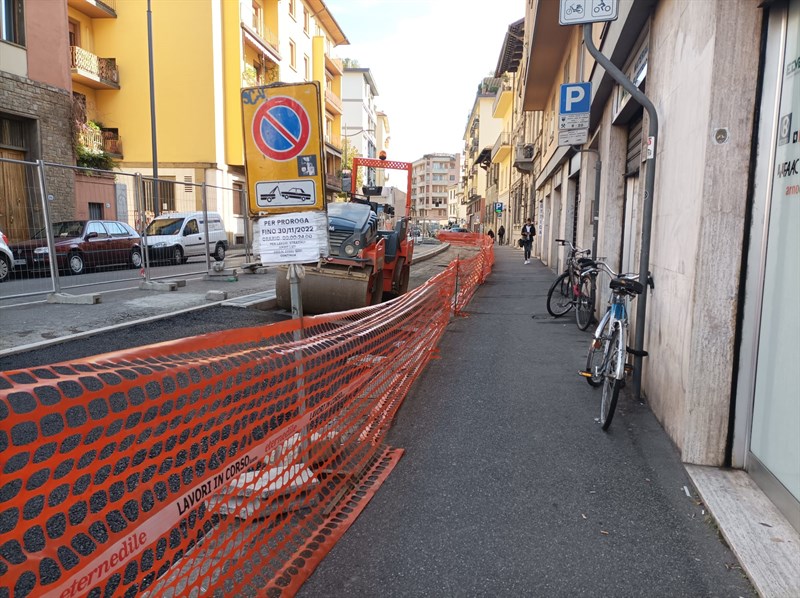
(508, 487)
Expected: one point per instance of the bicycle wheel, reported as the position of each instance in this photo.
(584, 303)
(559, 297)
(596, 360)
(611, 385)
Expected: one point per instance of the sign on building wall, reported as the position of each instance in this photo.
(283, 148)
(576, 12)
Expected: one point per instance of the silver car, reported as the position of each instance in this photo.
(6, 258)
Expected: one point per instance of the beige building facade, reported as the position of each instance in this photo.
(718, 326)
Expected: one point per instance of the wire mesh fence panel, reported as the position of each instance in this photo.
(222, 464)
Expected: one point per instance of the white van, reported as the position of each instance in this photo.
(177, 236)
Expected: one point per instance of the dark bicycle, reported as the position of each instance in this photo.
(566, 290)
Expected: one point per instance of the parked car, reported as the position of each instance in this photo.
(6, 258)
(177, 236)
(81, 245)
(458, 229)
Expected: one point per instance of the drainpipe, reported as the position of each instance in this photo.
(647, 212)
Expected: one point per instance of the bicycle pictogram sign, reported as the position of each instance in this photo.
(281, 128)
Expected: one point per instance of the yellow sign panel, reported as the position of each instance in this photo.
(283, 148)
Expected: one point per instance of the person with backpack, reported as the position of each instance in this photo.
(528, 233)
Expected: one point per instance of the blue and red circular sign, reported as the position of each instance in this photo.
(281, 128)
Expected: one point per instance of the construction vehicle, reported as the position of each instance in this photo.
(365, 265)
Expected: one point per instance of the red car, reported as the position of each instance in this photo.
(81, 245)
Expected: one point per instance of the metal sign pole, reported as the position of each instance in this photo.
(649, 184)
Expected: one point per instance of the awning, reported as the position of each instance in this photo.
(484, 159)
(511, 52)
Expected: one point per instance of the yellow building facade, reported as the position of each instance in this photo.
(203, 54)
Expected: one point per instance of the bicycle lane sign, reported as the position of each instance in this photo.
(576, 12)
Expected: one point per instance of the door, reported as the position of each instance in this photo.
(193, 238)
(13, 197)
(770, 347)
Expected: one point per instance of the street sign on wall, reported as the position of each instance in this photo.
(576, 12)
(573, 137)
(575, 101)
(283, 148)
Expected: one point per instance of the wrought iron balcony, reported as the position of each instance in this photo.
(93, 71)
(112, 144)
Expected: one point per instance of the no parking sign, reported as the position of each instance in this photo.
(283, 148)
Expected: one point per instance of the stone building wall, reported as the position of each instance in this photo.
(47, 114)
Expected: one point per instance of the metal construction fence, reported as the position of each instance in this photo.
(227, 463)
(45, 205)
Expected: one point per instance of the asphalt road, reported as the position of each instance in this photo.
(209, 319)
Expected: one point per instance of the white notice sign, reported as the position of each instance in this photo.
(573, 137)
(294, 238)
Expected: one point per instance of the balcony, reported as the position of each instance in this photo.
(502, 147)
(332, 102)
(502, 100)
(112, 144)
(333, 183)
(90, 138)
(107, 9)
(263, 41)
(93, 71)
(334, 65)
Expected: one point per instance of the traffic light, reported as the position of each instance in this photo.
(382, 155)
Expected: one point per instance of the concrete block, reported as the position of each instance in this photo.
(216, 295)
(222, 275)
(179, 283)
(87, 299)
(158, 286)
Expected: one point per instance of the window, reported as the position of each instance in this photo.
(307, 68)
(292, 55)
(96, 211)
(12, 21)
(97, 227)
(258, 19)
(74, 33)
(306, 21)
(191, 228)
(166, 193)
(291, 9)
(238, 199)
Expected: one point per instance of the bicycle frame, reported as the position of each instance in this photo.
(616, 316)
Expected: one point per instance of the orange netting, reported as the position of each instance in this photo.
(224, 463)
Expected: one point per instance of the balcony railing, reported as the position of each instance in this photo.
(112, 144)
(332, 99)
(334, 64)
(503, 141)
(96, 72)
(333, 182)
(90, 138)
(503, 93)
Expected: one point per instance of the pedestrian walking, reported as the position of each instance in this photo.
(501, 233)
(528, 233)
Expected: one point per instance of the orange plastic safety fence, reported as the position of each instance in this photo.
(212, 464)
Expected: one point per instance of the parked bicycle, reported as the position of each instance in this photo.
(568, 289)
(607, 362)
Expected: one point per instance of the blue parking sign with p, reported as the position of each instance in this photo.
(575, 98)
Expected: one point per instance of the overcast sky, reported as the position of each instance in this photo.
(427, 58)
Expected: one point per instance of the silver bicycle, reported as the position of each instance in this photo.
(607, 362)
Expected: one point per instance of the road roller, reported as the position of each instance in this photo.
(365, 265)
